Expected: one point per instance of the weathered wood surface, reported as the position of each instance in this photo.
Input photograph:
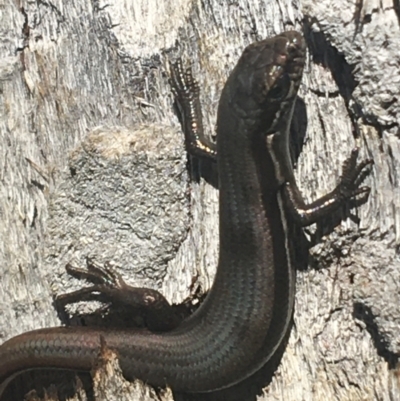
(92, 164)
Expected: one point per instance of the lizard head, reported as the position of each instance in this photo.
(263, 85)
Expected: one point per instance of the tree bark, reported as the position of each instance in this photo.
(93, 164)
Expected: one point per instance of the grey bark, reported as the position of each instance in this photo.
(92, 164)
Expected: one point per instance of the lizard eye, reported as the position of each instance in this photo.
(280, 88)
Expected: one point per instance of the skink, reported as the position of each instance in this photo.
(248, 309)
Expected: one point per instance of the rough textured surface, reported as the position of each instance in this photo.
(73, 71)
(137, 217)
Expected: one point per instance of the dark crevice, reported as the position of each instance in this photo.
(361, 19)
(330, 95)
(34, 217)
(357, 17)
(396, 6)
(38, 185)
(324, 53)
(60, 17)
(298, 130)
(25, 35)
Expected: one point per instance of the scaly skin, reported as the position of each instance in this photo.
(247, 312)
